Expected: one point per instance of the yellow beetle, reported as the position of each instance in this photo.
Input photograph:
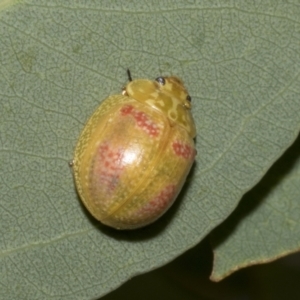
(135, 152)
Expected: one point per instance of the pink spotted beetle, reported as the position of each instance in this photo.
(135, 152)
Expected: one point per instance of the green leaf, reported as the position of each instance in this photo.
(60, 59)
(265, 226)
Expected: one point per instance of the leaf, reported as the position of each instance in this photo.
(240, 62)
(265, 226)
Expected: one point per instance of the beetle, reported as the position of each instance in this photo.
(135, 152)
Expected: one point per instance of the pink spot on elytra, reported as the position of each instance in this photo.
(142, 120)
(183, 150)
(108, 167)
(160, 202)
(126, 110)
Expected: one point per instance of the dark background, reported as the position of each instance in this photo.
(187, 278)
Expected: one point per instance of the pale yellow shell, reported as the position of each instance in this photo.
(135, 152)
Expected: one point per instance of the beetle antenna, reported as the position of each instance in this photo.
(129, 75)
